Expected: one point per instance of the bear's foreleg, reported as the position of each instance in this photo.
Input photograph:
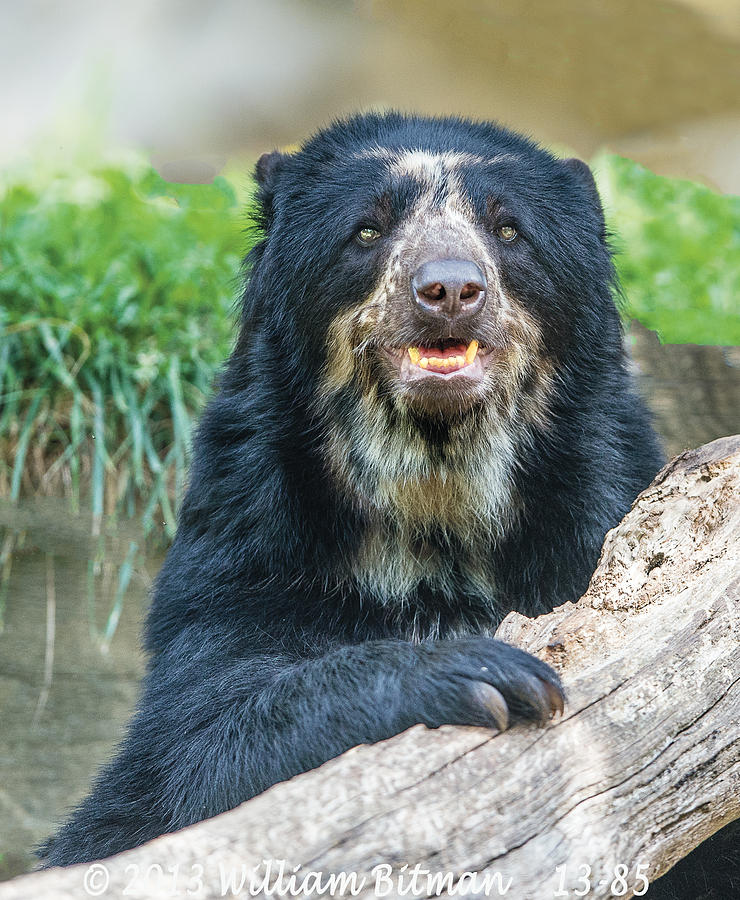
(211, 733)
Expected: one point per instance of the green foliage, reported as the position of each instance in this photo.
(680, 252)
(116, 307)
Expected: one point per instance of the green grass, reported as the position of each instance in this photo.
(116, 309)
(680, 253)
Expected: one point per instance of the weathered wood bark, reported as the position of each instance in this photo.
(644, 764)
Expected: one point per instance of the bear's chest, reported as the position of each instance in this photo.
(393, 566)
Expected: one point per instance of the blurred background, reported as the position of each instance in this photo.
(196, 82)
(128, 135)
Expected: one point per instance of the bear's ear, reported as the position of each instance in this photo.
(584, 174)
(266, 174)
(267, 168)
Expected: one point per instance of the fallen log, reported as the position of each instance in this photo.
(643, 765)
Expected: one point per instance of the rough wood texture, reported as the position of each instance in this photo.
(644, 764)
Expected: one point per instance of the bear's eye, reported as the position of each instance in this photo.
(367, 236)
(507, 233)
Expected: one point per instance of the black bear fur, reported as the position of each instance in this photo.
(269, 652)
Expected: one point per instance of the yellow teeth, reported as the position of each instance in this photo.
(450, 362)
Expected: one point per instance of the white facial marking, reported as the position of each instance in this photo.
(425, 164)
(447, 226)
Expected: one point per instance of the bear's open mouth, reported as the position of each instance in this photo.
(445, 359)
(448, 359)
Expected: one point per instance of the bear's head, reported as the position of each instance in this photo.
(439, 263)
(427, 286)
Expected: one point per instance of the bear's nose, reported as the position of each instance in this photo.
(449, 288)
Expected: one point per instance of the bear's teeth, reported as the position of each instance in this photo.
(447, 362)
(471, 352)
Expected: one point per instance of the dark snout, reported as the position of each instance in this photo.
(449, 288)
